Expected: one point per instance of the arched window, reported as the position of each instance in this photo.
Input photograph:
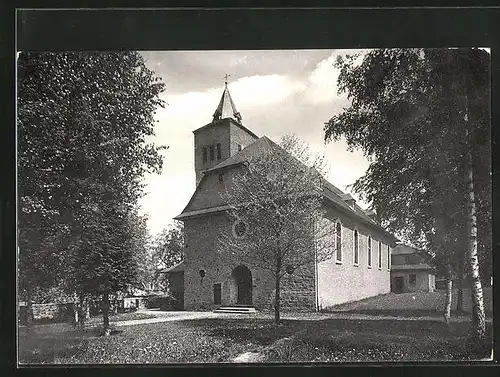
(388, 258)
(338, 242)
(379, 255)
(369, 252)
(356, 247)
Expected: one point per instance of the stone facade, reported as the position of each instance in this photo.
(225, 132)
(212, 279)
(202, 254)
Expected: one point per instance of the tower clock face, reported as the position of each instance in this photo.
(239, 229)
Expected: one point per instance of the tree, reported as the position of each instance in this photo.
(278, 200)
(167, 250)
(169, 245)
(83, 123)
(421, 116)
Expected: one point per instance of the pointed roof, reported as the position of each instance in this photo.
(226, 108)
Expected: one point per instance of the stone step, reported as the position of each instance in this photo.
(236, 309)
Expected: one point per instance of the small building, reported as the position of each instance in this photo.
(410, 271)
(175, 277)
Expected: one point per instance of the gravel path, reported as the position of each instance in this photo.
(163, 316)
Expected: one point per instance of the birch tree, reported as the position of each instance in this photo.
(421, 116)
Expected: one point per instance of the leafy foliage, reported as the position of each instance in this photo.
(83, 123)
(168, 245)
(407, 116)
(422, 117)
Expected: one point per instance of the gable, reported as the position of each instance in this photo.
(209, 193)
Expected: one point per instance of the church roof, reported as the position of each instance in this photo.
(226, 108)
(259, 146)
(262, 145)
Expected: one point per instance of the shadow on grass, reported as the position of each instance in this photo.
(53, 343)
(405, 313)
(356, 340)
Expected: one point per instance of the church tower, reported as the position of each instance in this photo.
(222, 138)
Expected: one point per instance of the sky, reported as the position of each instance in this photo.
(276, 92)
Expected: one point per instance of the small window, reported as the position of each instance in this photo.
(204, 154)
(369, 252)
(379, 255)
(239, 229)
(221, 177)
(356, 247)
(338, 242)
(217, 293)
(240, 147)
(413, 279)
(212, 155)
(407, 259)
(388, 258)
(219, 152)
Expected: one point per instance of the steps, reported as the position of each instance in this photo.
(236, 309)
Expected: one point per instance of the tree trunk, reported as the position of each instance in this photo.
(447, 304)
(460, 291)
(277, 301)
(105, 314)
(76, 316)
(277, 292)
(478, 318)
(29, 308)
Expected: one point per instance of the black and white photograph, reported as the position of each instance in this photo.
(254, 206)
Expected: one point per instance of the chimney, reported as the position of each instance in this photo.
(350, 201)
(371, 214)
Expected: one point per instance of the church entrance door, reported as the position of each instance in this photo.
(243, 278)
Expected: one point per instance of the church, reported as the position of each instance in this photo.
(206, 280)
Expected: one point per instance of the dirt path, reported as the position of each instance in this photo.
(163, 316)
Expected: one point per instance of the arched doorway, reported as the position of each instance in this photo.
(243, 279)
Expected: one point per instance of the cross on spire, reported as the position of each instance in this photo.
(225, 78)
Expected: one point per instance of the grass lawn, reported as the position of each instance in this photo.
(412, 304)
(221, 339)
(121, 317)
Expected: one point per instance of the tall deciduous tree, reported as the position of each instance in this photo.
(277, 199)
(83, 123)
(422, 118)
(169, 245)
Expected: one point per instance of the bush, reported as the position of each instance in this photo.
(166, 302)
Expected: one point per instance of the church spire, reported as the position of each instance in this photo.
(226, 108)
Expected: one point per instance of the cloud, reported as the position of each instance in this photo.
(257, 91)
(322, 86)
(274, 101)
(167, 196)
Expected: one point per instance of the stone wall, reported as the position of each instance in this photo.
(201, 254)
(344, 282)
(239, 136)
(298, 290)
(52, 312)
(216, 133)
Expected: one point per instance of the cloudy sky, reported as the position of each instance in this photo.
(276, 92)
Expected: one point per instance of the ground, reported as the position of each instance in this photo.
(183, 337)
(413, 304)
